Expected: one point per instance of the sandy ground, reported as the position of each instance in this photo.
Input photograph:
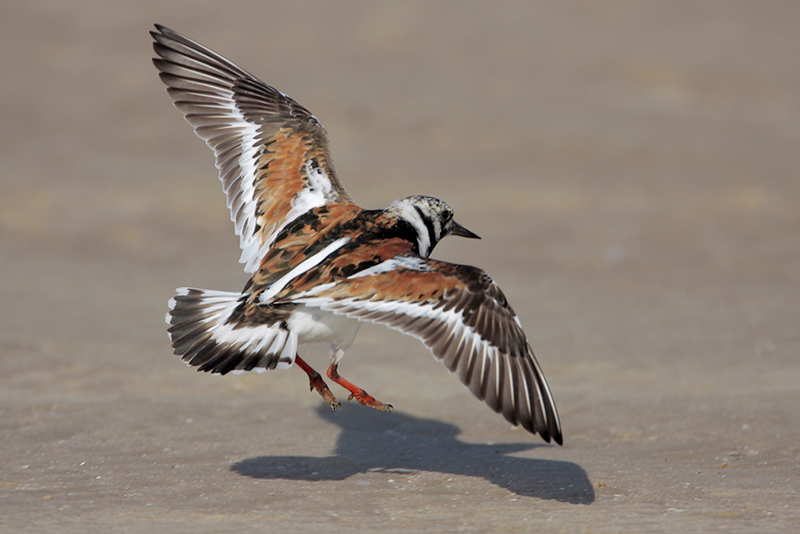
(632, 168)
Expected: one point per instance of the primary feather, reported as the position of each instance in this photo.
(318, 261)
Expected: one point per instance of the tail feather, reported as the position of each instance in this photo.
(206, 335)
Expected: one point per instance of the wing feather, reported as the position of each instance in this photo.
(462, 316)
(272, 153)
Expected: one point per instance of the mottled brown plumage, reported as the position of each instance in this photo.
(320, 264)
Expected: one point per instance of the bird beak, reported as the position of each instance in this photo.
(460, 231)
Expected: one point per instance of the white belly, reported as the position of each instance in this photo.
(314, 325)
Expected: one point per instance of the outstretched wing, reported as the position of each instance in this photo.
(462, 316)
(271, 152)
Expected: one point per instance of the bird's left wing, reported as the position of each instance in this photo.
(271, 152)
(462, 316)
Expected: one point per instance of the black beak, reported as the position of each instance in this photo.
(460, 231)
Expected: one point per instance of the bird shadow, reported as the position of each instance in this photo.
(402, 444)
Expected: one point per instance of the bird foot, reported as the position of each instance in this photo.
(325, 393)
(316, 382)
(365, 399)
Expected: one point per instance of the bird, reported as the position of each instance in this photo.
(320, 265)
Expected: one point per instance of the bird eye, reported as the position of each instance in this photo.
(448, 214)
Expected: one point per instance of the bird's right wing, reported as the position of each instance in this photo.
(462, 316)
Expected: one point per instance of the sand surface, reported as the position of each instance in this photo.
(633, 169)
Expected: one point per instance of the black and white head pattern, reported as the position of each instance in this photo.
(430, 217)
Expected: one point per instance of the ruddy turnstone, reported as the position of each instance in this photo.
(320, 264)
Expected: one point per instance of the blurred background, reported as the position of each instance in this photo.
(631, 167)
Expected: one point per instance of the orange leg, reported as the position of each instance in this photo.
(356, 392)
(316, 382)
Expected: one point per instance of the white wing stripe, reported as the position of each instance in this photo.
(359, 308)
(398, 262)
(246, 182)
(224, 115)
(304, 266)
(317, 193)
(239, 117)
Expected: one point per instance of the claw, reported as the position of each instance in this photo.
(325, 393)
(365, 399)
(316, 382)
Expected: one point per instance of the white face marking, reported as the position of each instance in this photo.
(408, 212)
(427, 216)
(437, 226)
(305, 265)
